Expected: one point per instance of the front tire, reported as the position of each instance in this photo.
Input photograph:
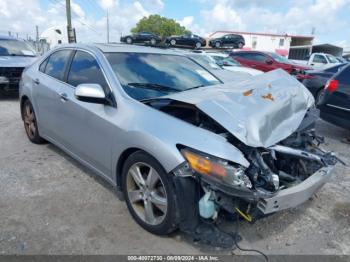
(172, 42)
(153, 41)
(198, 45)
(217, 44)
(30, 123)
(149, 194)
(240, 45)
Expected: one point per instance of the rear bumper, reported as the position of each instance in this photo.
(296, 195)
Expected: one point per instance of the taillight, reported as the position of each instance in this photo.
(332, 85)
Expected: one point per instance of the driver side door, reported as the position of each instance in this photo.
(87, 127)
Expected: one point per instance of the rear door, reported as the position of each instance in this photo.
(257, 61)
(47, 89)
(87, 128)
(340, 99)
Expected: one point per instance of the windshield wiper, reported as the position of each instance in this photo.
(155, 86)
(194, 87)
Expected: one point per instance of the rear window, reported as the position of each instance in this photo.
(344, 76)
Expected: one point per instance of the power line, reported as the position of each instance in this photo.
(76, 16)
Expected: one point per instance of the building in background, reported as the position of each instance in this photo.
(278, 43)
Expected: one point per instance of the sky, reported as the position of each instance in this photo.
(330, 18)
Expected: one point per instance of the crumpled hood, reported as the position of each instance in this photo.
(16, 61)
(260, 111)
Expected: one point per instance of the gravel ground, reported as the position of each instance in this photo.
(50, 204)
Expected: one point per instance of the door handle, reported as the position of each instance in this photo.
(64, 97)
(36, 81)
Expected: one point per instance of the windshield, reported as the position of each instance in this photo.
(205, 61)
(332, 59)
(144, 76)
(15, 48)
(225, 61)
(278, 58)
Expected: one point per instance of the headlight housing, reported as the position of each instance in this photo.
(213, 168)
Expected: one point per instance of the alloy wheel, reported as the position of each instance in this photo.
(146, 193)
(173, 42)
(29, 121)
(198, 45)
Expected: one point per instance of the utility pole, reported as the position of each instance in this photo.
(37, 33)
(107, 27)
(70, 32)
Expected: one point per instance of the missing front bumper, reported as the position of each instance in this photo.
(296, 195)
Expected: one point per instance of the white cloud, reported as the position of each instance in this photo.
(187, 21)
(21, 17)
(106, 4)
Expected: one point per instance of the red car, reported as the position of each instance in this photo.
(267, 61)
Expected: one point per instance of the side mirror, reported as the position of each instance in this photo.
(91, 93)
(269, 61)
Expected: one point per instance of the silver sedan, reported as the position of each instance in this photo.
(178, 144)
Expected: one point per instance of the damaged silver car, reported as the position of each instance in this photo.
(179, 146)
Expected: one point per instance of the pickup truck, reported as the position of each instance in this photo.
(319, 61)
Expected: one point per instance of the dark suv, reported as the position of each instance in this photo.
(335, 100)
(186, 40)
(142, 37)
(236, 41)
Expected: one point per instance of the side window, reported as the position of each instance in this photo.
(85, 70)
(56, 65)
(43, 65)
(320, 59)
(257, 57)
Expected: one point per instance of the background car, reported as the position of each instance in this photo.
(186, 40)
(210, 64)
(334, 103)
(228, 63)
(316, 80)
(318, 61)
(15, 55)
(143, 37)
(267, 61)
(236, 41)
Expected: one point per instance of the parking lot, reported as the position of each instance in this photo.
(50, 204)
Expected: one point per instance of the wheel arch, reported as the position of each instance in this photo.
(23, 99)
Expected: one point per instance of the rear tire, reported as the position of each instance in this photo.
(319, 97)
(129, 40)
(30, 123)
(149, 194)
(198, 45)
(172, 42)
(217, 44)
(240, 45)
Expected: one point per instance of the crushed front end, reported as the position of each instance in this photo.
(278, 177)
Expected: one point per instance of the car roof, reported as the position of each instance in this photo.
(5, 37)
(122, 48)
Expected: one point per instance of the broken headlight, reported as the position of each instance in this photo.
(216, 169)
